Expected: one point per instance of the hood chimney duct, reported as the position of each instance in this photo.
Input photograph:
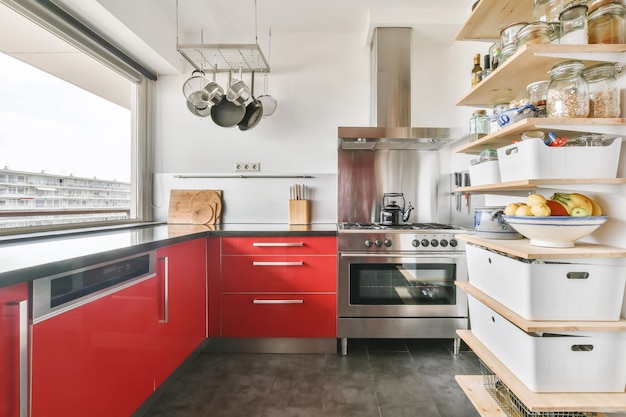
(391, 77)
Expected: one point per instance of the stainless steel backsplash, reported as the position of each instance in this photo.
(364, 176)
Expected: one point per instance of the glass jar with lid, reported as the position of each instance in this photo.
(538, 94)
(573, 18)
(568, 92)
(604, 100)
(479, 125)
(535, 32)
(606, 24)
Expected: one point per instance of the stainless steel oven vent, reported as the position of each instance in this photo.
(390, 112)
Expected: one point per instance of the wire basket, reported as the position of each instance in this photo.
(512, 405)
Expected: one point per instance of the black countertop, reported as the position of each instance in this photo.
(31, 258)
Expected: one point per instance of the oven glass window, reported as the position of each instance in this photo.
(402, 284)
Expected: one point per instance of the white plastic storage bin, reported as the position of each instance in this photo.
(533, 159)
(563, 362)
(485, 172)
(548, 291)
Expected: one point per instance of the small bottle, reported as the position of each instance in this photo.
(486, 67)
(476, 70)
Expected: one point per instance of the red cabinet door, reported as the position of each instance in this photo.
(13, 350)
(279, 315)
(96, 359)
(182, 273)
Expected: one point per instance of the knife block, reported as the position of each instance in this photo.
(299, 211)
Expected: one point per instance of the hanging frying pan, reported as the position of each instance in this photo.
(254, 111)
(226, 113)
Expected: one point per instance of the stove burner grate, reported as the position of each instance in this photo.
(407, 226)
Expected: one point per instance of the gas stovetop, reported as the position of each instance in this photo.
(404, 226)
(410, 237)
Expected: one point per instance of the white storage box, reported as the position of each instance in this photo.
(485, 172)
(548, 291)
(564, 362)
(533, 159)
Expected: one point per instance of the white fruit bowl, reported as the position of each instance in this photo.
(555, 231)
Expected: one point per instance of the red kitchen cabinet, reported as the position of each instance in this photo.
(13, 350)
(182, 276)
(96, 359)
(279, 286)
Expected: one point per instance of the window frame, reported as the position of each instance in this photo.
(65, 26)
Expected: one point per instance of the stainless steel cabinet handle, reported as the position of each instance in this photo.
(255, 301)
(166, 290)
(23, 360)
(277, 244)
(259, 263)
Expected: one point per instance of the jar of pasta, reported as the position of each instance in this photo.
(604, 93)
(568, 92)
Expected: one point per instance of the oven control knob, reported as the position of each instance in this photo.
(415, 243)
(443, 243)
(434, 243)
(378, 243)
(387, 242)
(368, 243)
(453, 243)
(425, 242)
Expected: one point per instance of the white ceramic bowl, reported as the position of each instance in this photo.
(555, 231)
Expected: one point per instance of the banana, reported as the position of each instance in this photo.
(576, 204)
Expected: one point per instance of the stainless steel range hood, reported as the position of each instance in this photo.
(391, 101)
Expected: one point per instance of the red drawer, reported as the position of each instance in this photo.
(279, 315)
(291, 245)
(279, 273)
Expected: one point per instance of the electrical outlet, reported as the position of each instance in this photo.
(247, 166)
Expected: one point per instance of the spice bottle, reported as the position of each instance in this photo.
(606, 24)
(479, 125)
(538, 94)
(568, 92)
(604, 100)
(573, 18)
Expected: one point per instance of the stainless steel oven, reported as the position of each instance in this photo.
(398, 282)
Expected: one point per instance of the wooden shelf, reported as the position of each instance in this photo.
(577, 401)
(569, 127)
(523, 249)
(530, 185)
(541, 326)
(484, 403)
(491, 16)
(531, 63)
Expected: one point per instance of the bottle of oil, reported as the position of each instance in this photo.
(477, 70)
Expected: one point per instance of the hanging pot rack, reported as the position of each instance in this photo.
(225, 57)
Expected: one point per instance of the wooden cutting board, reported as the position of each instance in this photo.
(195, 206)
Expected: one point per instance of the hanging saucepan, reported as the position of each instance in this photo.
(254, 111)
(213, 93)
(226, 113)
(269, 102)
(238, 92)
(200, 111)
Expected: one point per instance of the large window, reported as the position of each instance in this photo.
(72, 125)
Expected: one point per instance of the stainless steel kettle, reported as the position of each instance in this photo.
(391, 213)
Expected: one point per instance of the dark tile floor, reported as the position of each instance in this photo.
(378, 378)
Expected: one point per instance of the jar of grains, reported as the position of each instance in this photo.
(479, 125)
(573, 20)
(535, 32)
(606, 24)
(568, 92)
(538, 94)
(604, 93)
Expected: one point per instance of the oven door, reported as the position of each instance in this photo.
(397, 285)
